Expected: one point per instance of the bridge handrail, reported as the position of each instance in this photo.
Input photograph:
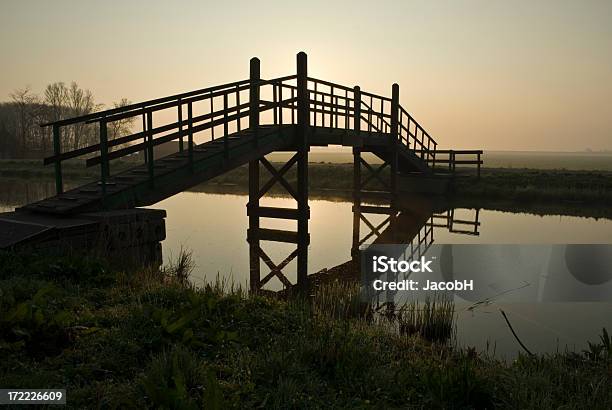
(337, 103)
(136, 106)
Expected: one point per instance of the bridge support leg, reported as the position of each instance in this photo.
(256, 234)
(252, 211)
(301, 214)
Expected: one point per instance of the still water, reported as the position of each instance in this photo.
(213, 227)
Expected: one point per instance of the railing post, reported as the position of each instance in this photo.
(144, 139)
(253, 205)
(433, 166)
(225, 128)
(254, 98)
(479, 154)
(104, 171)
(180, 122)
(302, 170)
(190, 134)
(150, 152)
(356, 172)
(57, 150)
(394, 136)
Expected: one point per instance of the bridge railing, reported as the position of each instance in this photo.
(448, 160)
(414, 136)
(333, 105)
(190, 118)
(211, 113)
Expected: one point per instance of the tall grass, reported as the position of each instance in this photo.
(433, 319)
(340, 300)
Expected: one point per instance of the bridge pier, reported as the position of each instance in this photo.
(301, 214)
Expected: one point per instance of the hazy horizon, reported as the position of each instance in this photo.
(491, 75)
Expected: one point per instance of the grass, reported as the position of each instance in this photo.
(433, 319)
(591, 188)
(148, 339)
(31, 168)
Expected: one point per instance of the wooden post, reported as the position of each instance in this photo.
(254, 98)
(479, 153)
(394, 135)
(225, 128)
(57, 150)
(253, 231)
(433, 166)
(150, 154)
(104, 172)
(302, 169)
(144, 138)
(190, 134)
(253, 205)
(356, 172)
(180, 127)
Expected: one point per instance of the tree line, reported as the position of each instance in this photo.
(21, 135)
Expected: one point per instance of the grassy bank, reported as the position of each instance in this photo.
(590, 188)
(30, 168)
(148, 339)
(593, 187)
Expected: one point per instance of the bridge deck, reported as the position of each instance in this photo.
(172, 174)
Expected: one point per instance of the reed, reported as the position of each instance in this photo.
(432, 319)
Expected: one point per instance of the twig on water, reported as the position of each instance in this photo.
(514, 333)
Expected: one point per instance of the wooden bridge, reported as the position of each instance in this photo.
(227, 126)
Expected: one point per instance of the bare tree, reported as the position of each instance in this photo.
(122, 127)
(80, 102)
(56, 97)
(25, 105)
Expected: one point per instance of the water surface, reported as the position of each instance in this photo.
(213, 227)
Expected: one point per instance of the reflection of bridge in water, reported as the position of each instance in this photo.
(409, 221)
(221, 128)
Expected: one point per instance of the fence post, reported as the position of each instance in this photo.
(479, 154)
(394, 135)
(57, 150)
(302, 169)
(254, 98)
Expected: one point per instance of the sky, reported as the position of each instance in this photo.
(495, 75)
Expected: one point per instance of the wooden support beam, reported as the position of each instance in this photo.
(254, 257)
(395, 107)
(303, 125)
(273, 212)
(278, 176)
(356, 173)
(254, 95)
(274, 235)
